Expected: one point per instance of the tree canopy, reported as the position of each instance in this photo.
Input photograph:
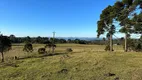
(5, 45)
(128, 13)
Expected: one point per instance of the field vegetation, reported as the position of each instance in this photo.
(86, 62)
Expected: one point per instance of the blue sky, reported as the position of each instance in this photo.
(68, 18)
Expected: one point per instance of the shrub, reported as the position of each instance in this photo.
(69, 50)
(28, 47)
(48, 45)
(107, 48)
(41, 50)
(138, 47)
(134, 45)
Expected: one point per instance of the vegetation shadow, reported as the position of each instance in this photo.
(41, 56)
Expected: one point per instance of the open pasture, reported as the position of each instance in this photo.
(86, 62)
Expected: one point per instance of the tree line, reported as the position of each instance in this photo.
(46, 40)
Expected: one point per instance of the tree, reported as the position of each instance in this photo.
(62, 41)
(39, 40)
(5, 45)
(53, 48)
(28, 39)
(69, 40)
(122, 16)
(49, 45)
(52, 44)
(138, 23)
(104, 39)
(76, 41)
(12, 38)
(105, 24)
(124, 11)
(28, 47)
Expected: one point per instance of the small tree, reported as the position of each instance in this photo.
(28, 47)
(27, 39)
(12, 38)
(5, 45)
(53, 48)
(50, 45)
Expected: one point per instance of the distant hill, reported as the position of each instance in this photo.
(81, 38)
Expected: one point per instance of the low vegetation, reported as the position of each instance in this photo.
(28, 47)
(69, 50)
(42, 51)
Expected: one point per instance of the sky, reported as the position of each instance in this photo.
(68, 18)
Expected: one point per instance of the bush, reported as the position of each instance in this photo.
(138, 47)
(133, 45)
(69, 50)
(107, 48)
(28, 47)
(41, 50)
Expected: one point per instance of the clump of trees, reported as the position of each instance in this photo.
(5, 45)
(50, 46)
(125, 13)
(46, 40)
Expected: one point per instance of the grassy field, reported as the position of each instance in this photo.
(86, 62)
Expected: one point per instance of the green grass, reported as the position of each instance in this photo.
(86, 62)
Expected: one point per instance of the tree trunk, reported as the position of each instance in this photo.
(126, 49)
(2, 57)
(53, 49)
(111, 43)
